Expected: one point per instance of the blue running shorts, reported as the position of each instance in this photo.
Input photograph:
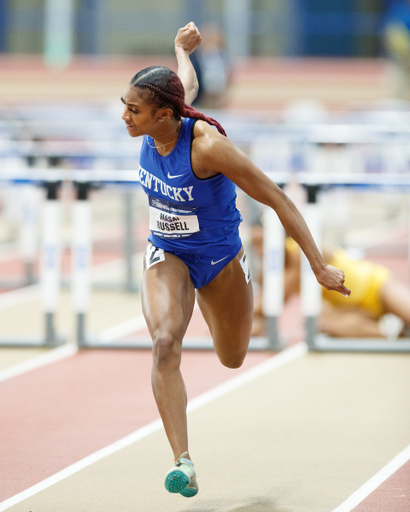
(203, 268)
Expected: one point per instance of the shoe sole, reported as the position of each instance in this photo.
(189, 492)
(176, 481)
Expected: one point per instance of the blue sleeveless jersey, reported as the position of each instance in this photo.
(187, 214)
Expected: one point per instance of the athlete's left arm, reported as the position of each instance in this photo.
(213, 153)
(186, 41)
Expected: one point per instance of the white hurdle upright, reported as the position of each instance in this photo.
(273, 276)
(81, 249)
(50, 266)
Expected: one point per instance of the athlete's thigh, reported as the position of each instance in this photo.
(396, 299)
(227, 306)
(168, 295)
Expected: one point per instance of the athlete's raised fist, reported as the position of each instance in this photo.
(188, 37)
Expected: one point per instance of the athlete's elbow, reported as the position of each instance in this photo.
(191, 93)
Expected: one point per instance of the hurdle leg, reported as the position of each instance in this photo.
(273, 275)
(50, 332)
(311, 292)
(51, 261)
(81, 259)
(28, 230)
(129, 241)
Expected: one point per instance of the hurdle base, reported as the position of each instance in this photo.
(14, 284)
(311, 332)
(323, 343)
(257, 343)
(51, 338)
(276, 342)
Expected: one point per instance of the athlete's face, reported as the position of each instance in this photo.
(138, 114)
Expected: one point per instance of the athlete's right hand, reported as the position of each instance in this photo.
(333, 278)
(188, 38)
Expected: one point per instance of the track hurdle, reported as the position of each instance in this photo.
(311, 290)
(82, 267)
(82, 250)
(50, 274)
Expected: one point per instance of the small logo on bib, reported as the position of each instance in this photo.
(172, 177)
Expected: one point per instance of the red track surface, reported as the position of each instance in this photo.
(56, 415)
(393, 495)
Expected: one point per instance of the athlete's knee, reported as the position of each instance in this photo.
(166, 351)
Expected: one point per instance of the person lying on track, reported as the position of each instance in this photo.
(367, 313)
(189, 172)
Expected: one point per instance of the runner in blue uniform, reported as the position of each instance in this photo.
(189, 172)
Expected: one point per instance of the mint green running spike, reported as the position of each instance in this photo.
(181, 478)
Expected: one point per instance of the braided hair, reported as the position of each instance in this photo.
(164, 89)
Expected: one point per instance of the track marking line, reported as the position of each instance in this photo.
(50, 357)
(20, 296)
(222, 389)
(372, 484)
(32, 292)
(253, 373)
(122, 329)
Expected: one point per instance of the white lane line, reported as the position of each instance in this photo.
(372, 484)
(20, 296)
(121, 330)
(50, 357)
(32, 292)
(253, 373)
(118, 331)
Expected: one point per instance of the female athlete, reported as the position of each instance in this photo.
(189, 172)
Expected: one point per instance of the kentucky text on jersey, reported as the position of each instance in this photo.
(151, 182)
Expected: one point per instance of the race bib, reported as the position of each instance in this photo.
(168, 220)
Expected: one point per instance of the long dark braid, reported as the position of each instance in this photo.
(167, 91)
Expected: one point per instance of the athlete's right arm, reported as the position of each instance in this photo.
(186, 41)
(212, 153)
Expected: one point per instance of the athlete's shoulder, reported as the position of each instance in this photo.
(202, 129)
(206, 139)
